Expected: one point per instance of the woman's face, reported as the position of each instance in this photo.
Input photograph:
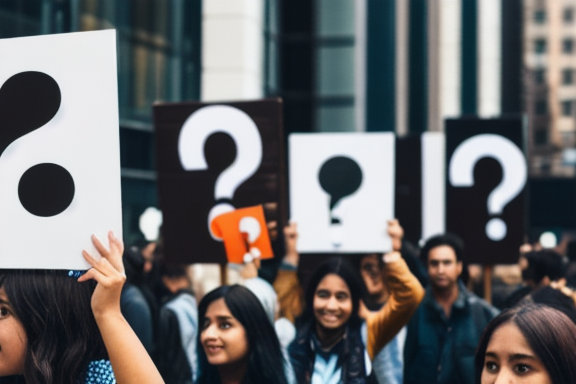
(332, 302)
(13, 340)
(223, 336)
(509, 359)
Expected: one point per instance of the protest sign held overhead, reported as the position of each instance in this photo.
(485, 186)
(59, 148)
(342, 191)
(244, 233)
(213, 159)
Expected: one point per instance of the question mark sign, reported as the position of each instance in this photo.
(251, 227)
(514, 174)
(234, 122)
(340, 177)
(28, 101)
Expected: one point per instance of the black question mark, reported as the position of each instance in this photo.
(339, 176)
(28, 101)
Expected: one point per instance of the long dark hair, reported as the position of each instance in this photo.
(342, 268)
(55, 311)
(265, 360)
(550, 334)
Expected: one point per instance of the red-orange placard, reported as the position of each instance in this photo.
(243, 231)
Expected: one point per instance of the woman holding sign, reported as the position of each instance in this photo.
(329, 347)
(55, 330)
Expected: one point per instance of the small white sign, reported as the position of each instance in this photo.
(59, 148)
(342, 191)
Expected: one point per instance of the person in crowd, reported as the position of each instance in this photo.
(539, 269)
(328, 347)
(237, 342)
(528, 344)
(388, 364)
(54, 329)
(134, 305)
(178, 327)
(443, 333)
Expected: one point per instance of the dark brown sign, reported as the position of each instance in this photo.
(212, 158)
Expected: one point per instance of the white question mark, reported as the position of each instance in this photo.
(514, 174)
(234, 122)
(251, 227)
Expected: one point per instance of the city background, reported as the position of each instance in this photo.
(340, 65)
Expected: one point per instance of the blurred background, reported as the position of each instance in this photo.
(340, 65)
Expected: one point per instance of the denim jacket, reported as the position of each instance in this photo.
(439, 349)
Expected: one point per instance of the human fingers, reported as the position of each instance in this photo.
(114, 251)
(101, 269)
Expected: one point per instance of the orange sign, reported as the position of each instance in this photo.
(245, 233)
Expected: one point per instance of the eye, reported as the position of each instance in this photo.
(225, 325)
(323, 294)
(342, 296)
(4, 312)
(491, 366)
(205, 324)
(522, 368)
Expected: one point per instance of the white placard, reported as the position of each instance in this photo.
(357, 222)
(82, 138)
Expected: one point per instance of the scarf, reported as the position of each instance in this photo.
(350, 352)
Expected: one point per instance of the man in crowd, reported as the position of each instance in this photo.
(444, 332)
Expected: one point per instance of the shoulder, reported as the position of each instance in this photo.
(100, 372)
(479, 304)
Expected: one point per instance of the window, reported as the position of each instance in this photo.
(540, 46)
(541, 107)
(540, 137)
(567, 76)
(567, 108)
(540, 16)
(567, 46)
(568, 15)
(539, 76)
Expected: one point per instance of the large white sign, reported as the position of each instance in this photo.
(342, 191)
(59, 148)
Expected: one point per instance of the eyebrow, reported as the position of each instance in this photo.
(513, 357)
(221, 317)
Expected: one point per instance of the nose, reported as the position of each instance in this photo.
(209, 332)
(503, 377)
(332, 303)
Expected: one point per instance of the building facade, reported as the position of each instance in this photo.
(339, 65)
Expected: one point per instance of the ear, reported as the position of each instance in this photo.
(459, 267)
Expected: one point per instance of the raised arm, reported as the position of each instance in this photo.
(130, 361)
(406, 293)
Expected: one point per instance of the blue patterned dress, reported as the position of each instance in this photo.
(100, 372)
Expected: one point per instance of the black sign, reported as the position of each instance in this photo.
(213, 158)
(485, 187)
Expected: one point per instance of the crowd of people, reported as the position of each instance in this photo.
(403, 317)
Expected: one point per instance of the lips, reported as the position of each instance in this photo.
(330, 317)
(212, 349)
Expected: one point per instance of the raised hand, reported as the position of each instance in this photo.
(108, 271)
(396, 233)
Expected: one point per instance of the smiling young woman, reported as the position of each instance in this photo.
(237, 342)
(329, 346)
(528, 344)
